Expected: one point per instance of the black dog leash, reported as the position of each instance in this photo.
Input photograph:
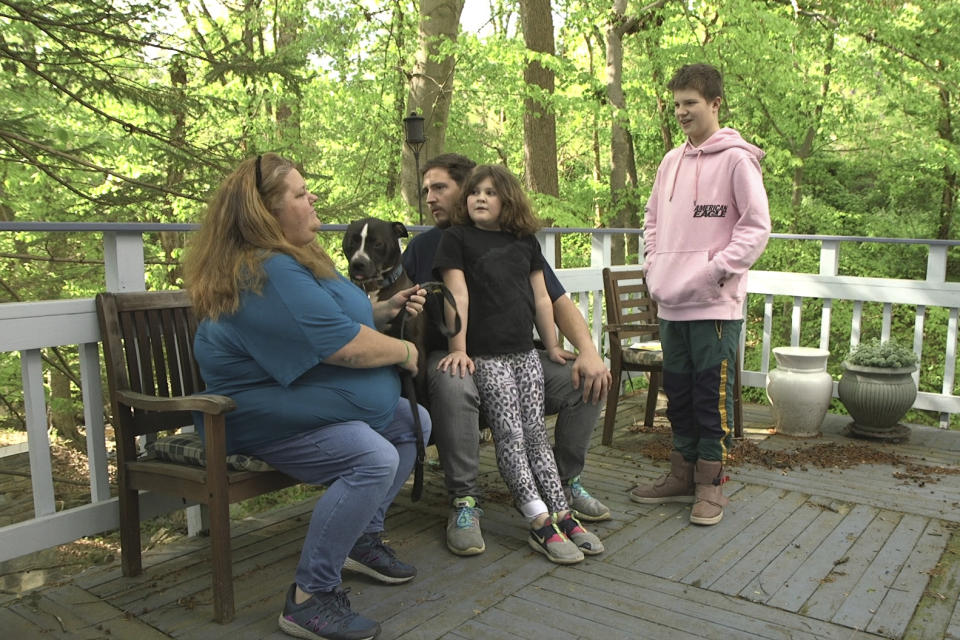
(406, 379)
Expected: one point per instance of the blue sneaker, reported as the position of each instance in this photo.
(463, 528)
(370, 556)
(325, 616)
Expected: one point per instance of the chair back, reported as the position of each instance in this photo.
(148, 348)
(631, 312)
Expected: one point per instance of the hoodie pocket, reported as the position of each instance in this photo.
(683, 278)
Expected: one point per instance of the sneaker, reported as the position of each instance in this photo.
(463, 528)
(325, 616)
(370, 556)
(551, 542)
(587, 542)
(587, 507)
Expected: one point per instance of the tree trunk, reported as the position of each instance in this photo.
(539, 119)
(948, 199)
(624, 214)
(431, 86)
(288, 103)
(171, 240)
(62, 416)
(595, 138)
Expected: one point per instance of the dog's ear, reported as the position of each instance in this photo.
(399, 230)
(347, 235)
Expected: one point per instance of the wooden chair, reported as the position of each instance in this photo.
(152, 376)
(632, 314)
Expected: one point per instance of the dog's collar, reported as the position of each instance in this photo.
(392, 277)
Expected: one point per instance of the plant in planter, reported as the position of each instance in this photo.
(877, 388)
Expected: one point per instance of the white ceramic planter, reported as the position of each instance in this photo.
(799, 390)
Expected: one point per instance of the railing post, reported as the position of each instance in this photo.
(123, 261)
(937, 263)
(829, 266)
(600, 250)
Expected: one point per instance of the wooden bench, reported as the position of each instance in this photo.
(632, 316)
(154, 387)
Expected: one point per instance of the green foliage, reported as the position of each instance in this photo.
(887, 354)
(140, 118)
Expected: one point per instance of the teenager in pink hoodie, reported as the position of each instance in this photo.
(707, 222)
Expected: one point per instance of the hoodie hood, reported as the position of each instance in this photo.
(724, 138)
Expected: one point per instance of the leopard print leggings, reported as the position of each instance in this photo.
(511, 392)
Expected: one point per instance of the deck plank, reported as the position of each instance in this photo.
(819, 564)
(776, 574)
(694, 546)
(840, 582)
(749, 538)
(561, 601)
(702, 611)
(898, 604)
(862, 603)
(839, 554)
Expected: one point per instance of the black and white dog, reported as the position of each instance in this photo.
(372, 249)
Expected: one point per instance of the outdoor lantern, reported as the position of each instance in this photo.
(413, 125)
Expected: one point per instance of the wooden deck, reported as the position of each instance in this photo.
(802, 553)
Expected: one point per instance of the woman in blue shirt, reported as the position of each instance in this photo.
(295, 345)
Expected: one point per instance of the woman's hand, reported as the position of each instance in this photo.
(456, 363)
(411, 300)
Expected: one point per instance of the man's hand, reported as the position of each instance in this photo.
(590, 371)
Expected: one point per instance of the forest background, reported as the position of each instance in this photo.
(133, 111)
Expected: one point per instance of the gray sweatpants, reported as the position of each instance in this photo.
(455, 411)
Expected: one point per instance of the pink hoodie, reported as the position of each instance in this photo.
(707, 222)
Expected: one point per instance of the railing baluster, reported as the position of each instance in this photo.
(92, 393)
(35, 405)
(767, 334)
(950, 356)
(795, 318)
(887, 320)
(825, 317)
(856, 323)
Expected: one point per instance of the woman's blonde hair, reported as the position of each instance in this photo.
(239, 231)
(516, 213)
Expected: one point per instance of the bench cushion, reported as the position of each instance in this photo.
(645, 353)
(187, 448)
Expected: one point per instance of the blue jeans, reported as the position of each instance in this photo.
(363, 470)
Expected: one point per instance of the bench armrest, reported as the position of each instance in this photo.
(206, 403)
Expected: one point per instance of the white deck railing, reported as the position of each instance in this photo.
(28, 327)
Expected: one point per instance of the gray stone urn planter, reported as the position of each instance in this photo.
(877, 398)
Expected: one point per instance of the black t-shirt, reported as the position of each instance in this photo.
(497, 267)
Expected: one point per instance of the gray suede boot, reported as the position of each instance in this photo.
(709, 478)
(675, 486)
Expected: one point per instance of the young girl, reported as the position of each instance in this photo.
(492, 264)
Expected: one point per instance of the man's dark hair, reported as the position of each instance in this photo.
(458, 166)
(705, 78)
